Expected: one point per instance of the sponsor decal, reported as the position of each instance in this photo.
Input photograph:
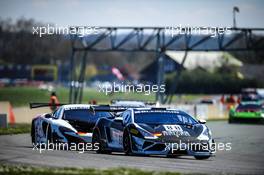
(157, 111)
(76, 107)
(172, 127)
(174, 130)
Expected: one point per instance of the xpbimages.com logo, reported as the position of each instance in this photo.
(80, 31)
(129, 88)
(80, 147)
(189, 30)
(198, 147)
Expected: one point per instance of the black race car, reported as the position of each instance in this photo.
(152, 131)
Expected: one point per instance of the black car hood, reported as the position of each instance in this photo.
(174, 132)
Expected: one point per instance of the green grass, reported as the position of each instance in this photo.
(16, 129)
(21, 96)
(28, 170)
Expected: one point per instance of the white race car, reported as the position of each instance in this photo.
(71, 123)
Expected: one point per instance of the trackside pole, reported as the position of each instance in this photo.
(160, 77)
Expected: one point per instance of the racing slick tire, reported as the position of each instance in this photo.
(231, 120)
(96, 138)
(127, 143)
(33, 134)
(49, 140)
(49, 136)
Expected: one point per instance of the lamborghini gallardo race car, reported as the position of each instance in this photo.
(154, 131)
(72, 123)
(247, 112)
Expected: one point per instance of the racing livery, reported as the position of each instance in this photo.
(69, 123)
(152, 131)
(247, 111)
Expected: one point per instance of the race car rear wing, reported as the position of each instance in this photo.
(40, 105)
(127, 100)
(108, 108)
(93, 108)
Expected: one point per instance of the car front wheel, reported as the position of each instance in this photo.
(96, 138)
(127, 144)
(33, 134)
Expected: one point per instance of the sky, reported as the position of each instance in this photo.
(210, 13)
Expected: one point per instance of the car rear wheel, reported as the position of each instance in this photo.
(127, 144)
(33, 134)
(96, 138)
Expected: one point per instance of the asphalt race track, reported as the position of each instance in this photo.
(246, 156)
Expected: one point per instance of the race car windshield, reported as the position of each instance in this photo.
(84, 115)
(250, 98)
(249, 106)
(163, 118)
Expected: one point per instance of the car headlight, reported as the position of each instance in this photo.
(146, 134)
(64, 129)
(205, 135)
(209, 132)
(262, 115)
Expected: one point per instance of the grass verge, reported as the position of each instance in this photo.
(21, 96)
(16, 129)
(28, 170)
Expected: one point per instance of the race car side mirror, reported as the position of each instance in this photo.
(48, 116)
(118, 120)
(202, 121)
